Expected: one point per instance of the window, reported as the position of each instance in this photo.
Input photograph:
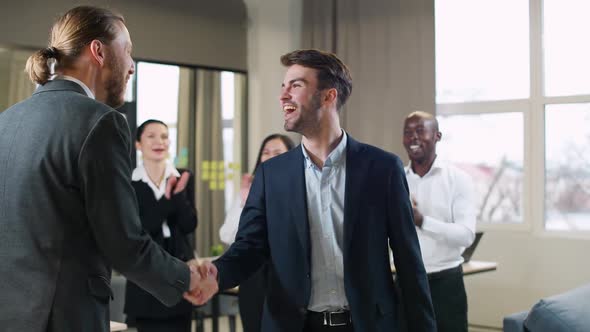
(513, 102)
(480, 65)
(565, 31)
(157, 98)
(228, 115)
(476, 57)
(493, 161)
(567, 167)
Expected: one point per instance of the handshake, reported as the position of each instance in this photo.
(203, 282)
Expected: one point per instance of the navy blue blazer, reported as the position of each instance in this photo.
(377, 213)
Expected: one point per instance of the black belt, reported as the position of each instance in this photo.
(446, 273)
(329, 318)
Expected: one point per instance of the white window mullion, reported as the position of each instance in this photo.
(535, 126)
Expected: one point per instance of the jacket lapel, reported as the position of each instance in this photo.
(296, 184)
(356, 172)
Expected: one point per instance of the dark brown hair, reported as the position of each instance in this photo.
(285, 139)
(142, 126)
(332, 72)
(69, 35)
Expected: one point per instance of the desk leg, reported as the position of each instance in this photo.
(232, 323)
(215, 313)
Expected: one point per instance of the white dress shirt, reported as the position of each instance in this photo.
(80, 83)
(325, 210)
(229, 229)
(446, 200)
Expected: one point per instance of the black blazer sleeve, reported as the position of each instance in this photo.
(104, 169)
(407, 256)
(184, 212)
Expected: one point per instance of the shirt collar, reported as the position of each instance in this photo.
(335, 157)
(80, 83)
(437, 164)
(140, 173)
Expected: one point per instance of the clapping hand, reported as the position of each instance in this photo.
(418, 217)
(245, 187)
(175, 185)
(203, 282)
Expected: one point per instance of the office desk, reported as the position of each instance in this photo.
(116, 326)
(472, 267)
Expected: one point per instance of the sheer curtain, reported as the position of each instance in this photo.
(388, 46)
(186, 105)
(19, 85)
(200, 146)
(209, 161)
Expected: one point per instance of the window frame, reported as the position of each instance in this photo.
(533, 110)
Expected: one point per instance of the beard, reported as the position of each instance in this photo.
(308, 118)
(116, 84)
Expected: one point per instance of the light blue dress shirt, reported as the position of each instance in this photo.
(325, 210)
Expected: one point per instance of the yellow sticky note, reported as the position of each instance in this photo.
(213, 185)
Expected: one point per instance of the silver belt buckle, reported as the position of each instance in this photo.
(328, 319)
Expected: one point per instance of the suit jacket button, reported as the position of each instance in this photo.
(303, 311)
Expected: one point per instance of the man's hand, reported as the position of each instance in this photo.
(203, 282)
(245, 187)
(418, 216)
(174, 185)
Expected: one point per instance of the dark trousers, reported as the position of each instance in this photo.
(449, 299)
(174, 324)
(251, 300)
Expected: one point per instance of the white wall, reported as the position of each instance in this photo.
(197, 32)
(273, 29)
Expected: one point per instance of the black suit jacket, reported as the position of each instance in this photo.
(68, 213)
(377, 215)
(180, 215)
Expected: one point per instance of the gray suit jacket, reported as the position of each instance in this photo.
(68, 213)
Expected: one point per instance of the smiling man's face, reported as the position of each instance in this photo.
(420, 138)
(300, 99)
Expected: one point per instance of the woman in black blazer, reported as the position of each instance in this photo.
(167, 212)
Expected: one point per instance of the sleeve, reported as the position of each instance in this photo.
(184, 213)
(405, 247)
(461, 231)
(104, 169)
(229, 229)
(250, 249)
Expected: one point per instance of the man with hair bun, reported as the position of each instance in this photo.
(68, 212)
